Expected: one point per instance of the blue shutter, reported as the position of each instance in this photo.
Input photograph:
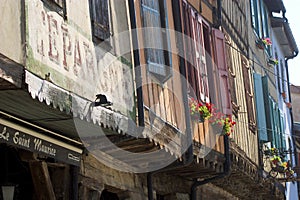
(260, 108)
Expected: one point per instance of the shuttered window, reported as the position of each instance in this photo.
(220, 60)
(255, 16)
(277, 126)
(248, 94)
(195, 54)
(58, 6)
(260, 21)
(156, 38)
(260, 108)
(99, 19)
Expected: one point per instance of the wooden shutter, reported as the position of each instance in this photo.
(100, 18)
(231, 64)
(220, 60)
(248, 94)
(195, 54)
(260, 108)
(199, 55)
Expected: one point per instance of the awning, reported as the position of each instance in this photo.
(25, 138)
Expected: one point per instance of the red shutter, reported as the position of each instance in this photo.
(220, 60)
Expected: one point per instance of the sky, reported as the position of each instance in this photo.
(293, 14)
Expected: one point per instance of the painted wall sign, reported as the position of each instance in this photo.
(65, 50)
(37, 143)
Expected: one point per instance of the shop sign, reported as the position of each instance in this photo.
(40, 144)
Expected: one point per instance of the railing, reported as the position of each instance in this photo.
(275, 163)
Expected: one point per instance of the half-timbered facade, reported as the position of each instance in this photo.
(104, 99)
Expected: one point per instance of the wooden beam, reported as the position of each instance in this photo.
(41, 180)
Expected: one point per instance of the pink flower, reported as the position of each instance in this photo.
(267, 41)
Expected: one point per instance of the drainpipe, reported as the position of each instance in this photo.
(290, 98)
(208, 180)
(189, 157)
(136, 57)
(74, 171)
(218, 13)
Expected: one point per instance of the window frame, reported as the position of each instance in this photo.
(260, 19)
(196, 81)
(58, 6)
(159, 67)
(100, 26)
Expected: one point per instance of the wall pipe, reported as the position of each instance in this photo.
(189, 157)
(136, 58)
(222, 175)
(290, 97)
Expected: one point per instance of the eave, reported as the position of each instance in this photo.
(285, 36)
(275, 5)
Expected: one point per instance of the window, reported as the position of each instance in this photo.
(195, 55)
(99, 19)
(281, 76)
(260, 17)
(255, 14)
(58, 6)
(156, 38)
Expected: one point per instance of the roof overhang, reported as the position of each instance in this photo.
(283, 31)
(275, 5)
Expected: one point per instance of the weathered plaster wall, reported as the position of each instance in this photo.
(10, 32)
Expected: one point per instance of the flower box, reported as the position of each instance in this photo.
(273, 61)
(263, 42)
(200, 111)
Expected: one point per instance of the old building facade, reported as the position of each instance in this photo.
(100, 99)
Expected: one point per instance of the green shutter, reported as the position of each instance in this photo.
(260, 108)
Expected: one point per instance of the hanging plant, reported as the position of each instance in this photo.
(227, 124)
(273, 61)
(200, 111)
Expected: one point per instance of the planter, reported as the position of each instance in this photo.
(260, 44)
(279, 169)
(273, 61)
(224, 132)
(197, 117)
